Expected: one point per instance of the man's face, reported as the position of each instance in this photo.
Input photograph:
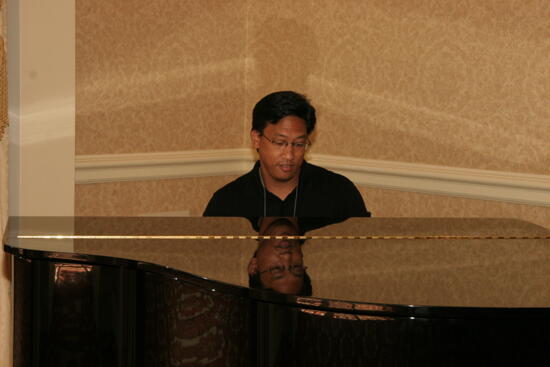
(278, 162)
(280, 262)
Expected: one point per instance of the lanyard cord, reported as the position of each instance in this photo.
(265, 195)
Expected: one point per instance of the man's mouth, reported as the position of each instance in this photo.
(286, 167)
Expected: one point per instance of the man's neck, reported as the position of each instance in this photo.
(278, 188)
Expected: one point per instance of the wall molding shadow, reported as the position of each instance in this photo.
(510, 187)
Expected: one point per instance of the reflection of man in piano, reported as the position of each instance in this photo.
(282, 183)
(278, 264)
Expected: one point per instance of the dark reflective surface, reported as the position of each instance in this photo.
(412, 292)
(424, 262)
(70, 314)
(185, 324)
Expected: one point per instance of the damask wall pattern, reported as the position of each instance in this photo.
(393, 203)
(455, 83)
(159, 75)
(150, 197)
(452, 83)
(147, 197)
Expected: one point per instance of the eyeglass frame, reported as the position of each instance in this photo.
(284, 144)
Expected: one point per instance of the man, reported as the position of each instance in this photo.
(278, 264)
(282, 183)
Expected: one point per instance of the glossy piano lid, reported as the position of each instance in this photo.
(358, 263)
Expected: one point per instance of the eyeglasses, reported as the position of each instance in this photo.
(296, 270)
(282, 144)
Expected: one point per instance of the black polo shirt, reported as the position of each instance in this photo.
(320, 194)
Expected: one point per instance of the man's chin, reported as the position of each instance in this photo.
(286, 175)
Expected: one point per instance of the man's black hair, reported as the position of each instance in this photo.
(278, 105)
(307, 289)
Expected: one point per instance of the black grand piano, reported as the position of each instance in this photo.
(135, 291)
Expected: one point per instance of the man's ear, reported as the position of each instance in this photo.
(253, 266)
(255, 137)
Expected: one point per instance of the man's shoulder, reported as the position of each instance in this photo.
(338, 193)
(234, 198)
(321, 180)
(239, 185)
(319, 173)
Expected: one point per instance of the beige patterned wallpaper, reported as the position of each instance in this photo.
(147, 197)
(392, 203)
(159, 75)
(454, 83)
(444, 82)
(150, 197)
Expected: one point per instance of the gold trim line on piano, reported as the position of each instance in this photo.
(246, 237)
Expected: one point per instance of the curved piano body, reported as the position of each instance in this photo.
(151, 292)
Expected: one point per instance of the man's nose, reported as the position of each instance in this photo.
(288, 151)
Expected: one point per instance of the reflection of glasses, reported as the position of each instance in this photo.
(282, 144)
(296, 270)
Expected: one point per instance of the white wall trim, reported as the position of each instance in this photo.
(520, 188)
(163, 165)
(423, 178)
